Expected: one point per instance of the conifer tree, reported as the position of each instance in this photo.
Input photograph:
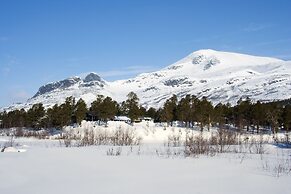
(169, 110)
(132, 106)
(243, 113)
(184, 110)
(193, 110)
(54, 116)
(151, 112)
(204, 113)
(122, 109)
(66, 111)
(220, 114)
(95, 109)
(273, 113)
(108, 109)
(34, 115)
(142, 111)
(286, 119)
(80, 111)
(258, 115)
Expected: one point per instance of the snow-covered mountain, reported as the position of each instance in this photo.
(220, 76)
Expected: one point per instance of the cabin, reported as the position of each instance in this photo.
(147, 119)
(140, 119)
(122, 118)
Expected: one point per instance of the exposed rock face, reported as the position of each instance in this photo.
(92, 77)
(66, 83)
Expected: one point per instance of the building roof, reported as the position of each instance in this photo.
(121, 118)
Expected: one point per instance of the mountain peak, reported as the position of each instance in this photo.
(224, 58)
(92, 76)
(233, 55)
(206, 51)
(91, 79)
(66, 83)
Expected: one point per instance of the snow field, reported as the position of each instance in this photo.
(91, 170)
(151, 167)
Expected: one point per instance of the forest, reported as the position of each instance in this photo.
(190, 111)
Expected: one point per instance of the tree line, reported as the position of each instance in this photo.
(189, 110)
(70, 112)
(245, 115)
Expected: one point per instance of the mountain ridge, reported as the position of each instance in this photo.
(220, 76)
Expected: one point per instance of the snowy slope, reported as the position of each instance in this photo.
(220, 76)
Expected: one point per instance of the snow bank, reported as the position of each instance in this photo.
(13, 149)
(148, 131)
(151, 132)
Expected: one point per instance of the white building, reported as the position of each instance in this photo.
(140, 119)
(122, 118)
(147, 119)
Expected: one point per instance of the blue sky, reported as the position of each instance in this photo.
(44, 41)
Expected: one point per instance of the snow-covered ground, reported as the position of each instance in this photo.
(44, 166)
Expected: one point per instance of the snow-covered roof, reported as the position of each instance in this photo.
(121, 118)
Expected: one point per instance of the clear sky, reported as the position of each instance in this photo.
(44, 41)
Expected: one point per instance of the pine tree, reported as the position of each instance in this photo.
(108, 109)
(169, 110)
(151, 112)
(194, 108)
(258, 115)
(204, 113)
(184, 110)
(243, 113)
(66, 111)
(286, 117)
(122, 109)
(54, 118)
(80, 111)
(95, 110)
(34, 115)
(132, 106)
(273, 113)
(220, 114)
(142, 111)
